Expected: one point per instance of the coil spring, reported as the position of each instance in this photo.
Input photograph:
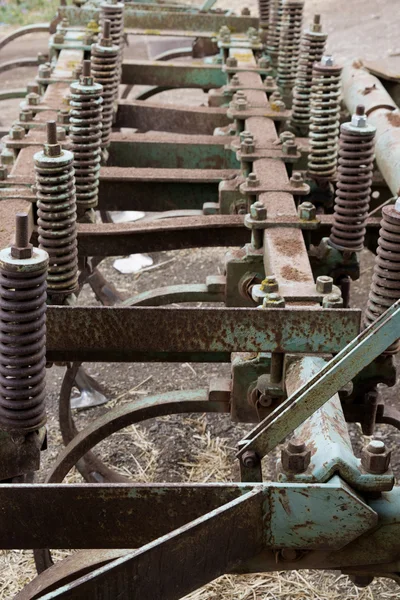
(355, 165)
(324, 121)
(55, 185)
(22, 347)
(85, 134)
(289, 41)
(385, 286)
(312, 48)
(263, 10)
(114, 12)
(274, 27)
(105, 71)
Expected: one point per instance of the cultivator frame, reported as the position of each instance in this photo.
(217, 175)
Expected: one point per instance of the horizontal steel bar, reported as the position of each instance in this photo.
(172, 75)
(158, 23)
(129, 334)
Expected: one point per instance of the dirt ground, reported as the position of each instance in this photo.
(200, 448)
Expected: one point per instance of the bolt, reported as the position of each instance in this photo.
(41, 58)
(235, 80)
(61, 134)
(276, 96)
(105, 39)
(16, 132)
(25, 115)
(247, 146)
(316, 24)
(286, 135)
(252, 180)
(63, 116)
(45, 71)
(246, 11)
(231, 62)
(273, 301)
(250, 459)
(86, 78)
(332, 301)
(375, 457)
(269, 284)
(7, 156)
(359, 119)
(295, 457)
(258, 211)
(327, 61)
(264, 62)
(269, 81)
(324, 284)
(245, 134)
(52, 147)
(33, 99)
(278, 106)
(296, 179)
(306, 211)
(240, 104)
(22, 248)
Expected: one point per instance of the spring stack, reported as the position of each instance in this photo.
(385, 286)
(23, 271)
(105, 72)
(85, 134)
(312, 48)
(353, 190)
(274, 27)
(289, 43)
(324, 120)
(113, 11)
(56, 204)
(263, 11)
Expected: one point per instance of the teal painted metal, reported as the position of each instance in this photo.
(172, 74)
(159, 154)
(338, 372)
(326, 435)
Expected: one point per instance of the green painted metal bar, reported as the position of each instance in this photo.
(172, 75)
(338, 372)
(145, 333)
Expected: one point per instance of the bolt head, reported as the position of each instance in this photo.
(296, 179)
(25, 115)
(33, 99)
(307, 211)
(235, 80)
(327, 61)
(245, 11)
(45, 71)
(269, 284)
(295, 457)
(252, 180)
(359, 121)
(375, 457)
(231, 61)
(63, 116)
(273, 301)
(258, 211)
(21, 253)
(250, 459)
(289, 148)
(332, 301)
(240, 104)
(17, 132)
(286, 135)
(247, 146)
(324, 284)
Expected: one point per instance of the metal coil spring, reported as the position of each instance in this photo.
(272, 46)
(105, 71)
(263, 10)
(114, 12)
(22, 349)
(312, 48)
(324, 121)
(85, 134)
(385, 286)
(55, 185)
(289, 41)
(355, 166)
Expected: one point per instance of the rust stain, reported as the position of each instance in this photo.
(368, 90)
(394, 119)
(357, 64)
(293, 274)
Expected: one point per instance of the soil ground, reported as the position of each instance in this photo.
(199, 447)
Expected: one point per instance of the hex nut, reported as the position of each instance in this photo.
(3, 172)
(296, 179)
(33, 99)
(16, 132)
(250, 459)
(289, 147)
(306, 211)
(269, 284)
(231, 61)
(58, 38)
(375, 457)
(63, 116)
(240, 104)
(61, 134)
(264, 63)
(324, 284)
(247, 146)
(258, 294)
(25, 115)
(295, 457)
(245, 11)
(45, 71)
(7, 157)
(332, 301)
(235, 80)
(258, 211)
(273, 301)
(252, 180)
